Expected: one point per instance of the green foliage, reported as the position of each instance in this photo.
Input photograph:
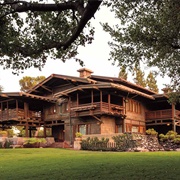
(151, 131)
(124, 142)
(27, 82)
(122, 73)
(34, 140)
(6, 144)
(2, 133)
(78, 135)
(151, 82)
(29, 38)
(95, 144)
(147, 32)
(170, 136)
(22, 132)
(139, 77)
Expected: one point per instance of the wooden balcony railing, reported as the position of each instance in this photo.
(18, 114)
(160, 114)
(96, 108)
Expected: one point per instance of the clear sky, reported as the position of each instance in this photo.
(95, 57)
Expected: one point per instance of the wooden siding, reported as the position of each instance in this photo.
(160, 114)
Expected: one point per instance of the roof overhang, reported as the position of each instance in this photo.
(103, 86)
(23, 95)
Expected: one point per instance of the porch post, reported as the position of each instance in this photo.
(25, 115)
(45, 131)
(173, 118)
(100, 100)
(109, 102)
(70, 122)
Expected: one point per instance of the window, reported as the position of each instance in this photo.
(83, 129)
(134, 106)
(119, 128)
(135, 129)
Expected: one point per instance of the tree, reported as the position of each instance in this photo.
(28, 82)
(33, 30)
(1, 89)
(139, 77)
(151, 82)
(123, 73)
(148, 31)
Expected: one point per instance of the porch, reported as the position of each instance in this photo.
(95, 108)
(18, 114)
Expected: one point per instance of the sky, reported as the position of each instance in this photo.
(95, 57)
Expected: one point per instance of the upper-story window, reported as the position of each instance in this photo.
(134, 106)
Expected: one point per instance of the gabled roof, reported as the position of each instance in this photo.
(103, 86)
(56, 80)
(123, 82)
(72, 83)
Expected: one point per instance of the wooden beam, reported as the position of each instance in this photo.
(80, 89)
(97, 118)
(46, 88)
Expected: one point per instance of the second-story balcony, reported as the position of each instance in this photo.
(97, 108)
(162, 114)
(18, 114)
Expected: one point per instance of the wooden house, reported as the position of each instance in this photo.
(88, 104)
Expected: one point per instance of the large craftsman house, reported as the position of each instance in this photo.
(90, 104)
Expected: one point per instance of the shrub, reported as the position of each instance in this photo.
(95, 144)
(151, 132)
(33, 142)
(6, 144)
(124, 142)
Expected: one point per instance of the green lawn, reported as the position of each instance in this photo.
(53, 164)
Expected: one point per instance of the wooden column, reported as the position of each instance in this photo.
(17, 108)
(25, 115)
(109, 102)
(100, 100)
(7, 110)
(45, 131)
(173, 118)
(70, 121)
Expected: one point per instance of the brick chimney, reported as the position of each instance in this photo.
(84, 72)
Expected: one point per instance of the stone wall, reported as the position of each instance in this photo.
(144, 142)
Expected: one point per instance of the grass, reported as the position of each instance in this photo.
(62, 164)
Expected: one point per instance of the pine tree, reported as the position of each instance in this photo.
(123, 74)
(139, 77)
(151, 82)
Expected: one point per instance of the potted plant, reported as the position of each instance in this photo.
(78, 136)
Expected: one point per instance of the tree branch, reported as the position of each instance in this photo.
(86, 14)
